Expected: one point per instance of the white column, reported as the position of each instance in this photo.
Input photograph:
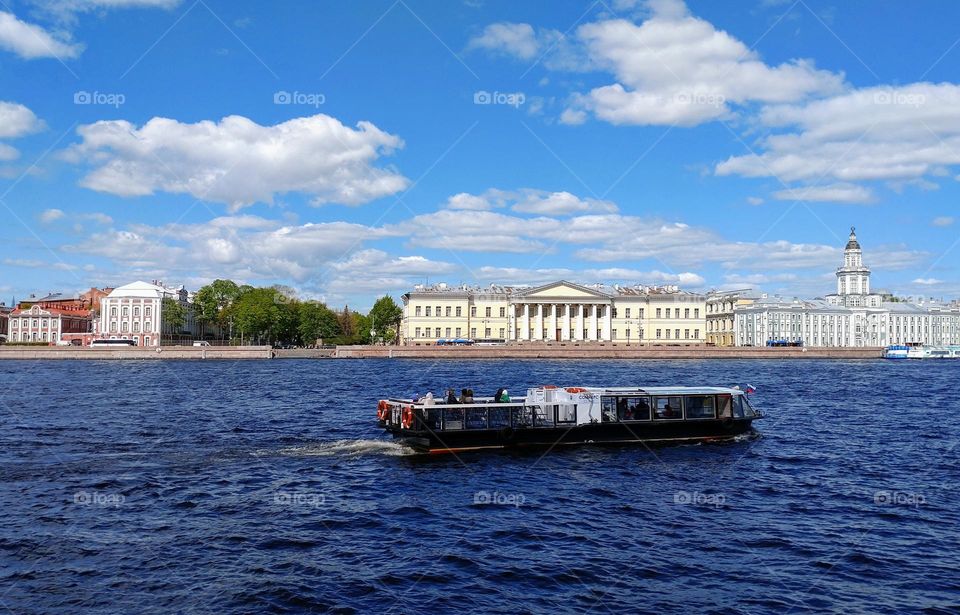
(593, 323)
(553, 319)
(578, 333)
(525, 328)
(607, 322)
(539, 332)
(566, 323)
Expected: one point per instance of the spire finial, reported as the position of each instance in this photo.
(853, 230)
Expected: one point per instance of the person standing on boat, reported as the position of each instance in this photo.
(498, 395)
(466, 396)
(429, 414)
(504, 397)
(452, 397)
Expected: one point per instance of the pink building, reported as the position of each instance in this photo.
(47, 324)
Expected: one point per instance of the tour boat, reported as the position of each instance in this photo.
(895, 351)
(548, 416)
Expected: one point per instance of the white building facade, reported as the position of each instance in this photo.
(135, 312)
(852, 317)
(557, 312)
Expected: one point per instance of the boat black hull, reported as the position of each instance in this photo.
(660, 433)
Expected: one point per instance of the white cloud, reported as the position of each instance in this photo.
(51, 215)
(943, 221)
(30, 41)
(515, 39)
(17, 121)
(517, 275)
(8, 153)
(375, 271)
(927, 281)
(530, 201)
(878, 133)
(239, 162)
(755, 200)
(833, 193)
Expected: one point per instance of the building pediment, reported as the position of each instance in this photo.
(563, 289)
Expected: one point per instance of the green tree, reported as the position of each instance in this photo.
(317, 321)
(385, 318)
(173, 315)
(266, 315)
(211, 303)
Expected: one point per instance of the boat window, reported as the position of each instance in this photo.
(476, 418)
(738, 411)
(748, 410)
(499, 417)
(724, 409)
(669, 408)
(700, 407)
(634, 409)
(452, 418)
(608, 407)
(566, 413)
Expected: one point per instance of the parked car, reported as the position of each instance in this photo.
(201, 343)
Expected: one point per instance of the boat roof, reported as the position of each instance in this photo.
(665, 390)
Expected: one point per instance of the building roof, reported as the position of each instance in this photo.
(853, 244)
(51, 312)
(143, 290)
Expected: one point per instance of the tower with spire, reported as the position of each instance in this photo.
(853, 278)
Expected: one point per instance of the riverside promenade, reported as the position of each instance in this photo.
(600, 351)
(517, 351)
(145, 354)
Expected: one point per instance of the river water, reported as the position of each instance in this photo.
(265, 486)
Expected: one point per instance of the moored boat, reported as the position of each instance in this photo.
(895, 351)
(548, 416)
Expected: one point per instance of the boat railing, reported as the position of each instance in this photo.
(482, 414)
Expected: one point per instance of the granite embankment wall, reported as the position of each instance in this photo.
(166, 352)
(600, 351)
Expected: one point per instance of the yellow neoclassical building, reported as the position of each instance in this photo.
(558, 312)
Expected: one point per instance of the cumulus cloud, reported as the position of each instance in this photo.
(30, 41)
(943, 221)
(374, 271)
(672, 69)
(517, 275)
(833, 193)
(927, 281)
(877, 133)
(530, 201)
(239, 162)
(17, 121)
(51, 215)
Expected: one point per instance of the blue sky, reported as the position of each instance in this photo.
(354, 149)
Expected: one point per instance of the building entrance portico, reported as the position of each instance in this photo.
(562, 312)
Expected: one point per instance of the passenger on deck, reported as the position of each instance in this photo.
(452, 397)
(497, 395)
(466, 396)
(429, 414)
(505, 397)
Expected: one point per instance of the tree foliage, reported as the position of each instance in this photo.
(173, 314)
(385, 318)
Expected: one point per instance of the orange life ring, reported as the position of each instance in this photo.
(576, 390)
(407, 418)
(383, 410)
(549, 386)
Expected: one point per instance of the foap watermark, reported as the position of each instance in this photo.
(500, 499)
(695, 498)
(309, 99)
(97, 498)
(893, 97)
(898, 498)
(512, 99)
(705, 99)
(111, 99)
(299, 500)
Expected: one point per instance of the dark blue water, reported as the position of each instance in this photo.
(216, 487)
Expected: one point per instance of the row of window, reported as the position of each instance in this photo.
(673, 408)
(147, 312)
(454, 311)
(125, 327)
(457, 311)
(46, 323)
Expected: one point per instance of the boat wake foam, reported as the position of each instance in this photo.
(350, 448)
